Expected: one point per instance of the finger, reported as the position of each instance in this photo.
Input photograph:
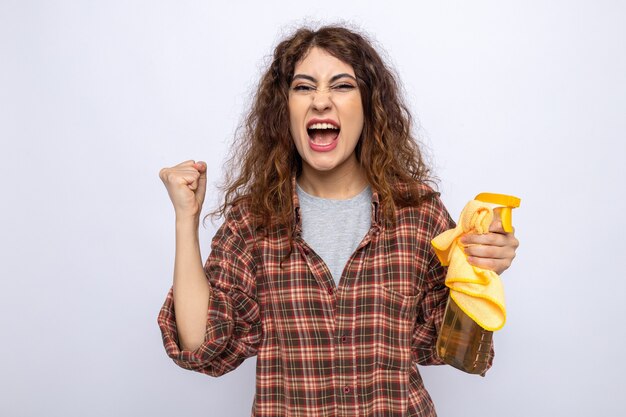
(493, 252)
(190, 162)
(165, 173)
(182, 175)
(496, 265)
(200, 166)
(193, 185)
(493, 239)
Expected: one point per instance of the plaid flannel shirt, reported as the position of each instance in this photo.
(324, 350)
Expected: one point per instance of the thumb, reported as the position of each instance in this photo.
(496, 223)
(201, 190)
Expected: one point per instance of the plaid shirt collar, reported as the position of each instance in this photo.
(376, 211)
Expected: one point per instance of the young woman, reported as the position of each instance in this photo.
(323, 266)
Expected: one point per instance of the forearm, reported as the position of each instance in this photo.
(191, 288)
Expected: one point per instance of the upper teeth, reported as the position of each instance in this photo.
(322, 126)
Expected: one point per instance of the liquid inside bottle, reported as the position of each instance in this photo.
(462, 343)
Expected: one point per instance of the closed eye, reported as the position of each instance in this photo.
(303, 87)
(343, 87)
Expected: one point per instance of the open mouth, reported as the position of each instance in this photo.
(323, 136)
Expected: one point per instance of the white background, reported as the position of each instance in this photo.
(525, 97)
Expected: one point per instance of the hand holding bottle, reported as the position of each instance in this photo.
(475, 307)
(494, 250)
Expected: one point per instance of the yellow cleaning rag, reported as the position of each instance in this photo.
(478, 292)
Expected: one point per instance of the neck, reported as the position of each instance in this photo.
(340, 183)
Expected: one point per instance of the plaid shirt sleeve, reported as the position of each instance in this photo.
(233, 329)
(434, 303)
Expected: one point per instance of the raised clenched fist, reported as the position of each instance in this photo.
(186, 186)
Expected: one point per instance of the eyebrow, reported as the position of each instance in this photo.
(332, 79)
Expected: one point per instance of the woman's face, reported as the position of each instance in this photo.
(325, 111)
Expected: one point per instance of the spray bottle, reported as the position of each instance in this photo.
(462, 343)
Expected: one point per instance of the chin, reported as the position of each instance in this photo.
(322, 167)
(323, 164)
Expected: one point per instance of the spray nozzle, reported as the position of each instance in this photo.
(507, 203)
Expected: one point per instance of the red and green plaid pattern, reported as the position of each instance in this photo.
(324, 350)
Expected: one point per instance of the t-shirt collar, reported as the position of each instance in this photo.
(376, 211)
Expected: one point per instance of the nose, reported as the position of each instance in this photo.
(321, 100)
